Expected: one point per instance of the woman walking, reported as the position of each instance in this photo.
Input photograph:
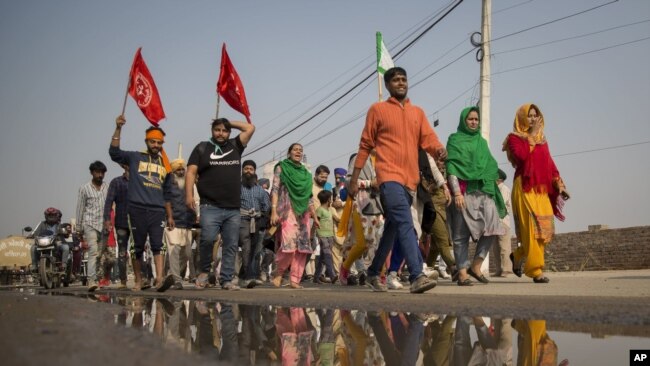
(472, 176)
(538, 192)
(291, 207)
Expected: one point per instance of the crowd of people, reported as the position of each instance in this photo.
(404, 201)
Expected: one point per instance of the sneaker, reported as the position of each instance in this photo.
(263, 277)
(92, 286)
(443, 274)
(322, 279)
(393, 282)
(362, 279)
(423, 284)
(178, 286)
(375, 284)
(343, 275)
(104, 282)
(248, 283)
(430, 272)
(230, 286)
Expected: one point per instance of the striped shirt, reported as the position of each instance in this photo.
(396, 131)
(117, 193)
(90, 206)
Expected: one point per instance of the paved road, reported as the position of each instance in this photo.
(32, 328)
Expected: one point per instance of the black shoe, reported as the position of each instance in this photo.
(480, 278)
(515, 270)
(542, 280)
(353, 280)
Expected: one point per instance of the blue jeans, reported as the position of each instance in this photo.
(215, 220)
(396, 201)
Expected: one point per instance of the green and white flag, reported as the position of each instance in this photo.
(384, 61)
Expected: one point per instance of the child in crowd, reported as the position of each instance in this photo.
(325, 234)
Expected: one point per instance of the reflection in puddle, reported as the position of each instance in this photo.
(265, 335)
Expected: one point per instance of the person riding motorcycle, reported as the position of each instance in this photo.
(51, 223)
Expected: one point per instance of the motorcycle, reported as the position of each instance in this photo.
(50, 266)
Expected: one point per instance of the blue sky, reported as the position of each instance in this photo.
(64, 68)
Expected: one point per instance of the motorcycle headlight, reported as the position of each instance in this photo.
(43, 242)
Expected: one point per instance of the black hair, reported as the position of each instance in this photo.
(322, 168)
(324, 196)
(390, 73)
(222, 121)
(249, 162)
(97, 166)
(155, 128)
(291, 147)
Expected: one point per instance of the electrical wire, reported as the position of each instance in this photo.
(552, 21)
(401, 51)
(570, 56)
(570, 38)
(594, 150)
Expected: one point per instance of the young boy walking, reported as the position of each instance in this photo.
(325, 234)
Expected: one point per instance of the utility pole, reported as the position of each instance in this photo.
(486, 36)
(484, 102)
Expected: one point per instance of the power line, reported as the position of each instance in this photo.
(569, 38)
(426, 30)
(570, 56)
(552, 21)
(417, 26)
(510, 7)
(594, 150)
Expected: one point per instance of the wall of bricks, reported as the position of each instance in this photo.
(597, 249)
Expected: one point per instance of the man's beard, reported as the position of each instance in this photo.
(248, 180)
(180, 182)
(98, 181)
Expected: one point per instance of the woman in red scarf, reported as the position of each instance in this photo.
(538, 192)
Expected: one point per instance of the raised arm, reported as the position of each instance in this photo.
(246, 129)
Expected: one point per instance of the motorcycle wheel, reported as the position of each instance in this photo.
(67, 277)
(46, 271)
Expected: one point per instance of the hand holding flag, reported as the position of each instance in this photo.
(230, 86)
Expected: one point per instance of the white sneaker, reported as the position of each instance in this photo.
(443, 274)
(429, 272)
(393, 281)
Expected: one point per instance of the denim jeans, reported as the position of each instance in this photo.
(215, 220)
(396, 201)
(123, 235)
(460, 236)
(251, 249)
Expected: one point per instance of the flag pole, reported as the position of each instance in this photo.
(381, 96)
(128, 85)
(216, 116)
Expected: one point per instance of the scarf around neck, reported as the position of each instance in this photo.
(298, 181)
(469, 159)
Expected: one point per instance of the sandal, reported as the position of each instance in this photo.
(480, 278)
(201, 281)
(543, 279)
(465, 282)
(296, 286)
(515, 269)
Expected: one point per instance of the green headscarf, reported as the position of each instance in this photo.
(469, 159)
(298, 181)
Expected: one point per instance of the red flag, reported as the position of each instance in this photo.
(230, 87)
(144, 91)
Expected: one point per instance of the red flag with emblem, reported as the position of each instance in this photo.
(230, 86)
(144, 91)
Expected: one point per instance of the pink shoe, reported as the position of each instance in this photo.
(343, 275)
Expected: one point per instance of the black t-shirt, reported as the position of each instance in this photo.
(219, 171)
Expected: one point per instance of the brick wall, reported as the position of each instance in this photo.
(597, 249)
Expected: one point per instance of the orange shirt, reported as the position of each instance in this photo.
(396, 132)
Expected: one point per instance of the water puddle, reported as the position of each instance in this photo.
(267, 335)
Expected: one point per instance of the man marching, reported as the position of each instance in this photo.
(149, 188)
